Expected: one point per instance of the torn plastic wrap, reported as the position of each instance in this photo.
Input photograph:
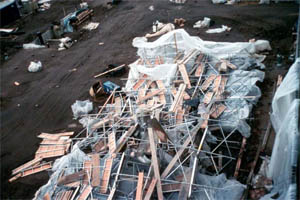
(285, 121)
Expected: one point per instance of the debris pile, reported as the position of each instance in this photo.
(175, 130)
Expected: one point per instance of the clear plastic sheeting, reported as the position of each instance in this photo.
(285, 120)
(80, 108)
(215, 187)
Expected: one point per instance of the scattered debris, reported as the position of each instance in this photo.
(219, 30)
(151, 8)
(91, 26)
(101, 43)
(202, 24)
(65, 43)
(33, 46)
(161, 29)
(16, 83)
(179, 22)
(35, 66)
(178, 1)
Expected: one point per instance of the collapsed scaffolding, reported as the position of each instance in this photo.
(177, 126)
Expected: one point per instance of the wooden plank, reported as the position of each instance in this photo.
(238, 163)
(185, 75)
(222, 66)
(181, 150)
(55, 142)
(71, 178)
(155, 164)
(217, 83)
(114, 69)
(112, 142)
(124, 138)
(99, 146)
(36, 169)
(85, 193)
(106, 175)
(208, 97)
(208, 82)
(15, 177)
(139, 188)
(26, 165)
(87, 167)
(149, 95)
(150, 189)
(178, 97)
(205, 118)
(217, 110)
(180, 115)
(51, 154)
(95, 170)
(200, 70)
(118, 105)
(162, 97)
(54, 136)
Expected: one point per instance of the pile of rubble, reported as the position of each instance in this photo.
(173, 132)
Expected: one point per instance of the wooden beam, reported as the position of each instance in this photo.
(208, 97)
(185, 75)
(140, 82)
(114, 69)
(150, 189)
(208, 82)
(87, 167)
(139, 188)
(178, 97)
(26, 165)
(95, 170)
(106, 175)
(124, 137)
(155, 164)
(85, 193)
(149, 95)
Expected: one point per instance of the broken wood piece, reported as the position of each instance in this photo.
(78, 176)
(149, 95)
(114, 69)
(150, 189)
(205, 118)
(26, 165)
(87, 167)
(118, 105)
(180, 115)
(139, 83)
(185, 75)
(217, 110)
(200, 70)
(155, 163)
(95, 170)
(15, 177)
(37, 169)
(112, 142)
(223, 67)
(238, 164)
(217, 83)
(124, 137)
(208, 97)
(230, 65)
(178, 97)
(106, 175)
(208, 82)
(139, 187)
(85, 193)
(162, 97)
